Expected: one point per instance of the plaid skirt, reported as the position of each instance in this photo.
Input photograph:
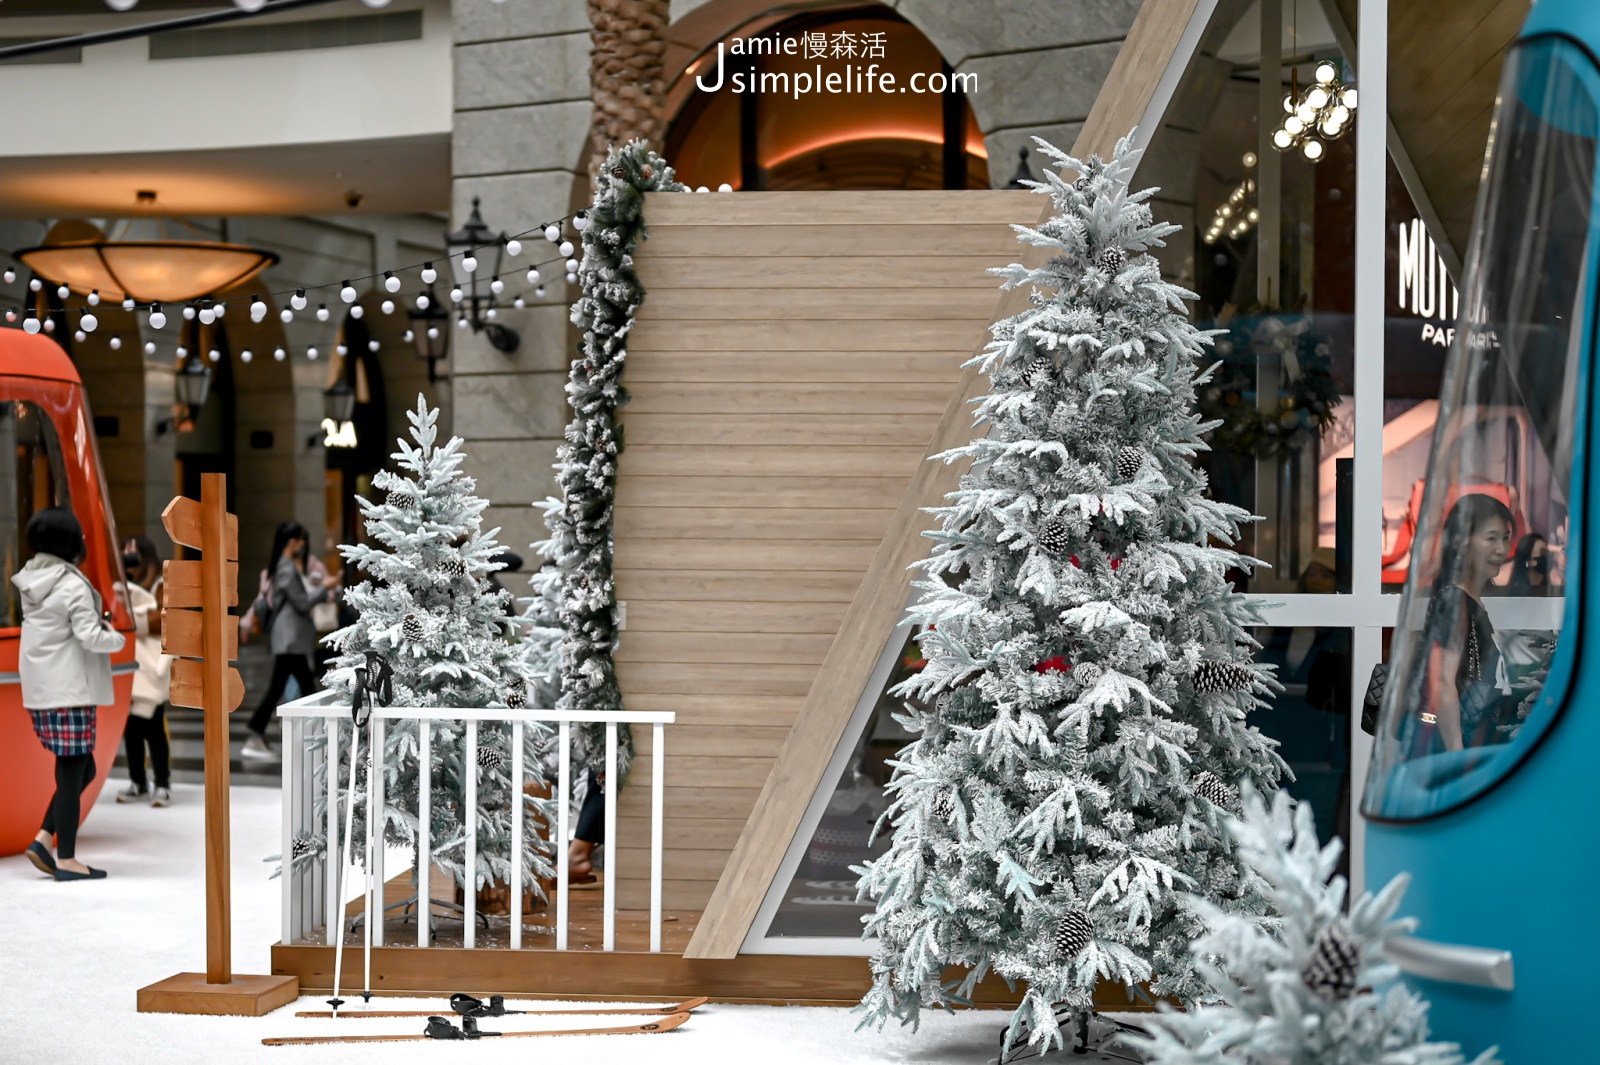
(67, 731)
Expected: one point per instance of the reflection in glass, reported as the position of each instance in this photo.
(1478, 667)
(38, 481)
(821, 897)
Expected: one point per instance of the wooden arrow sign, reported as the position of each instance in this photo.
(182, 635)
(182, 520)
(188, 685)
(182, 584)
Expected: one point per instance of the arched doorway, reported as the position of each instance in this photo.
(849, 98)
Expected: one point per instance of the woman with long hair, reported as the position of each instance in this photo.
(292, 633)
(1460, 670)
(147, 711)
(1530, 566)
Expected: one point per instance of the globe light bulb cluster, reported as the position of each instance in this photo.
(1322, 113)
(1237, 214)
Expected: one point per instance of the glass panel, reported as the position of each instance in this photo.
(1276, 275)
(1311, 720)
(38, 480)
(821, 897)
(1484, 601)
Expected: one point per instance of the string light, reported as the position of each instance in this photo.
(258, 309)
(572, 267)
(63, 291)
(87, 322)
(373, 345)
(116, 343)
(10, 275)
(580, 221)
(207, 313)
(94, 297)
(80, 336)
(158, 320)
(533, 276)
(387, 306)
(30, 324)
(322, 312)
(455, 295)
(311, 353)
(422, 301)
(286, 316)
(11, 315)
(497, 286)
(127, 303)
(356, 311)
(246, 355)
(566, 249)
(347, 292)
(513, 247)
(278, 354)
(149, 347)
(298, 300)
(49, 325)
(214, 355)
(469, 263)
(429, 274)
(390, 282)
(34, 285)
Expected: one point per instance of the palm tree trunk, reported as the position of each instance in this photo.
(629, 38)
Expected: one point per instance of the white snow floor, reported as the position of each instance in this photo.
(72, 956)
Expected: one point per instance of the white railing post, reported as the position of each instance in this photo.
(469, 876)
(292, 767)
(376, 823)
(563, 791)
(608, 939)
(514, 879)
(657, 776)
(424, 832)
(333, 921)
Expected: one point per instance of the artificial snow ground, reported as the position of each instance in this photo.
(73, 955)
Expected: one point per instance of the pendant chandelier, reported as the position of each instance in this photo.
(1322, 112)
(146, 270)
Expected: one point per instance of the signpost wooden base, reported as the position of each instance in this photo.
(244, 996)
(203, 644)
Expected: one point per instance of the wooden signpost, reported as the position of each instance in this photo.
(203, 642)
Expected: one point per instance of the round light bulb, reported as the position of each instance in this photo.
(1348, 98)
(149, 347)
(180, 351)
(356, 310)
(49, 325)
(429, 274)
(461, 323)
(572, 266)
(1312, 150)
(387, 306)
(214, 355)
(278, 354)
(571, 277)
(10, 275)
(286, 316)
(1317, 97)
(158, 320)
(580, 221)
(491, 314)
(513, 247)
(88, 322)
(469, 263)
(433, 332)
(1306, 114)
(127, 304)
(539, 291)
(1293, 125)
(372, 345)
(246, 355)
(34, 285)
(565, 249)
(94, 297)
(409, 336)
(322, 312)
(519, 303)
(340, 349)
(311, 353)
(1288, 105)
(219, 309)
(390, 282)
(11, 315)
(533, 276)
(63, 291)
(552, 232)
(298, 300)
(30, 324)
(258, 310)
(702, 188)
(497, 286)
(80, 336)
(455, 295)
(1282, 140)
(1254, 215)
(1326, 73)
(724, 187)
(207, 315)
(422, 302)
(347, 292)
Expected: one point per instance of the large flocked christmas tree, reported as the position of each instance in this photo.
(428, 610)
(1303, 989)
(1089, 667)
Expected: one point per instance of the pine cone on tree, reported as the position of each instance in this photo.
(1213, 676)
(1082, 183)
(412, 629)
(490, 758)
(1052, 537)
(453, 566)
(1335, 963)
(1074, 933)
(943, 806)
(1088, 674)
(1213, 790)
(1040, 372)
(300, 847)
(400, 500)
(1112, 260)
(1129, 460)
(516, 693)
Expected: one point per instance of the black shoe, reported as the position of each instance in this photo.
(41, 859)
(92, 874)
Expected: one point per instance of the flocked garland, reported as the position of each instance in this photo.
(586, 464)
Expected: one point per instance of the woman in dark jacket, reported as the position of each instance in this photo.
(290, 630)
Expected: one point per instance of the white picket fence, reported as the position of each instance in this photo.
(311, 895)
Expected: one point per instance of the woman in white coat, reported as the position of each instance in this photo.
(65, 664)
(147, 712)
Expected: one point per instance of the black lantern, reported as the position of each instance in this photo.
(475, 241)
(191, 385)
(339, 402)
(430, 330)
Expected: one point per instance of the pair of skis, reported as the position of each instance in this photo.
(470, 1010)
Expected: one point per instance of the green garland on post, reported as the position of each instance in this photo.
(586, 464)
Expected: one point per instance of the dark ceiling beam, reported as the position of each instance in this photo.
(186, 22)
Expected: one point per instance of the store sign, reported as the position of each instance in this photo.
(1426, 290)
(338, 435)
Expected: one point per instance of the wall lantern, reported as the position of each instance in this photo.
(429, 329)
(473, 276)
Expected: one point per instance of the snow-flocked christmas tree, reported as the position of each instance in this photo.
(541, 621)
(1303, 989)
(427, 609)
(1089, 667)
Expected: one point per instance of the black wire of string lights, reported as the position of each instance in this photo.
(208, 310)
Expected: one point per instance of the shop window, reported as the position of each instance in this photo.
(1479, 663)
(38, 481)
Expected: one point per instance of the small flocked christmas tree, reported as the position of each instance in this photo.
(541, 622)
(1089, 668)
(428, 610)
(1303, 990)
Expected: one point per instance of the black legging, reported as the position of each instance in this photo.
(151, 731)
(283, 667)
(74, 774)
(592, 815)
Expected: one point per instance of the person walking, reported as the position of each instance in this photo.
(290, 630)
(147, 714)
(65, 663)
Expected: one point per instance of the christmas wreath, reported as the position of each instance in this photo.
(1308, 393)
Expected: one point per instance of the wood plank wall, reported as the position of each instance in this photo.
(792, 359)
